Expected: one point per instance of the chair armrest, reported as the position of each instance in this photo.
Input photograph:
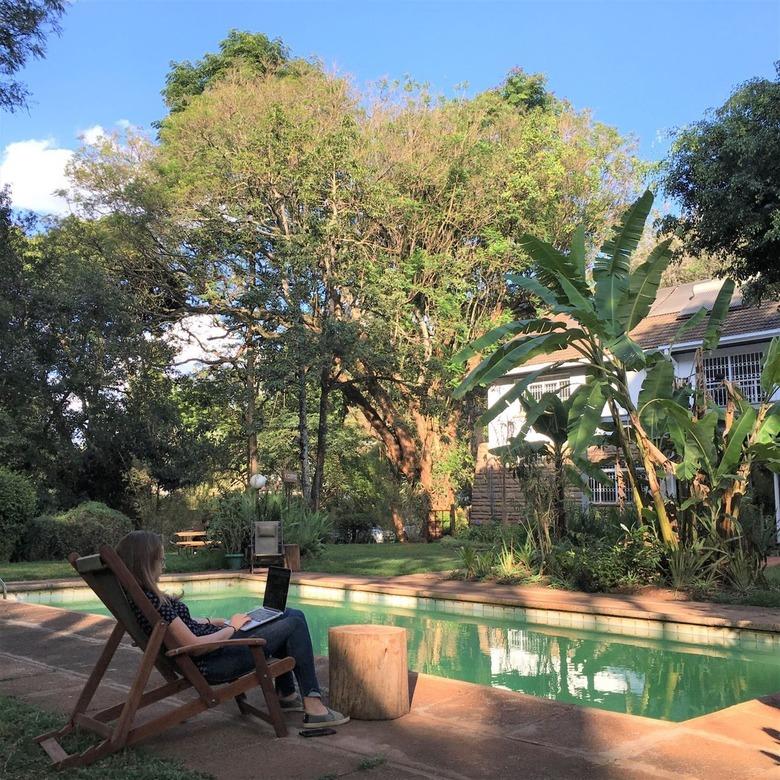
(216, 644)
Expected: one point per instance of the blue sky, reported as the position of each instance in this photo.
(644, 67)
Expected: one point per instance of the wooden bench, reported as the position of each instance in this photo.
(192, 540)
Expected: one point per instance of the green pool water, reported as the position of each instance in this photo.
(656, 679)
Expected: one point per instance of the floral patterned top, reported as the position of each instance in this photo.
(169, 611)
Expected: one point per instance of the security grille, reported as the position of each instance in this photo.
(743, 369)
(604, 494)
(561, 387)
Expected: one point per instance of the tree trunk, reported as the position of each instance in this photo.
(560, 495)
(250, 411)
(322, 437)
(398, 524)
(303, 434)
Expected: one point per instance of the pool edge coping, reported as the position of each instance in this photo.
(545, 600)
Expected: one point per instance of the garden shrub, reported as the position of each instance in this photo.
(592, 564)
(17, 506)
(306, 528)
(231, 522)
(82, 529)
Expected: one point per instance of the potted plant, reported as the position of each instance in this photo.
(231, 525)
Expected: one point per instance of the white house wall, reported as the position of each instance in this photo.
(509, 422)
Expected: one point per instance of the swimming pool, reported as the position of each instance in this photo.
(661, 677)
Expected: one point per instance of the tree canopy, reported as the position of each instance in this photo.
(24, 25)
(725, 173)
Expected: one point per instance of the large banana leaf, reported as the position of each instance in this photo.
(535, 287)
(770, 375)
(718, 314)
(611, 290)
(547, 416)
(732, 455)
(770, 428)
(659, 383)
(689, 325)
(615, 255)
(581, 307)
(694, 440)
(536, 325)
(513, 354)
(552, 265)
(644, 285)
(627, 351)
(587, 405)
(512, 395)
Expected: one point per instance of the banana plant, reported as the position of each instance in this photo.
(549, 417)
(717, 448)
(591, 310)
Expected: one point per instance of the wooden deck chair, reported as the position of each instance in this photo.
(119, 726)
(267, 544)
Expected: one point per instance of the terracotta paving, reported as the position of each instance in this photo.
(455, 731)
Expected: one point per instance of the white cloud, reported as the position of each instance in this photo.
(124, 124)
(93, 135)
(34, 170)
(200, 338)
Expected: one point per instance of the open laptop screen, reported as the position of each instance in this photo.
(276, 586)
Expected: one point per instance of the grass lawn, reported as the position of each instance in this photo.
(175, 563)
(23, 759)
(384, 560)
(773, 575)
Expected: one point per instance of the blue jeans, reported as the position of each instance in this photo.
(287, 635)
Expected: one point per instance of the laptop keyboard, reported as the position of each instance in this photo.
(262, 613)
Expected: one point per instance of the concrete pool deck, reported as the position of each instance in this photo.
(455, 730)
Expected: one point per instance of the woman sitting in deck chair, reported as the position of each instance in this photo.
(144, 555)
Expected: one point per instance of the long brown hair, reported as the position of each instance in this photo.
(142, 553)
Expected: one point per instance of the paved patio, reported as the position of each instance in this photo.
(455, 730)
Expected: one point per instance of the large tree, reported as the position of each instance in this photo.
(362, 242)
(725, 173)
(24, 25)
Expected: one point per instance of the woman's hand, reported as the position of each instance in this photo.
(238, 620)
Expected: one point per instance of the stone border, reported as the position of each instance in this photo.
(615, 619)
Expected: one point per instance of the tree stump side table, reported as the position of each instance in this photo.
(369, 678)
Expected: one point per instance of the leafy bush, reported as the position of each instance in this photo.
(353, 528)
(231, 522)
(306, 528)
(17, 506)
(82, 529)
(596, 565)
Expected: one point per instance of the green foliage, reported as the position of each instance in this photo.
(232, 519)
(594, 564)
(25, 25)
(17, 506)
(307, 528)
(724, 172)
(82, 529)
(254, 52)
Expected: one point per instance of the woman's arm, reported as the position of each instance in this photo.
(183, 636)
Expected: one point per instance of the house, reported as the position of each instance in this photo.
(745, 337)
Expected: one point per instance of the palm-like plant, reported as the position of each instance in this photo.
(549, 417)
(593, 311)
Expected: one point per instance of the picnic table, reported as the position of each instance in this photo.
(192, 540)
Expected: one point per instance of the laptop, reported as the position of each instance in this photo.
(277, 585)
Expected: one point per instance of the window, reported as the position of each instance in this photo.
(608, 494)
(562, 387)
(604, 494)
(743, 369)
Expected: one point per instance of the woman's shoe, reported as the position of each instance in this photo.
(291, 705)
(330, 718)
